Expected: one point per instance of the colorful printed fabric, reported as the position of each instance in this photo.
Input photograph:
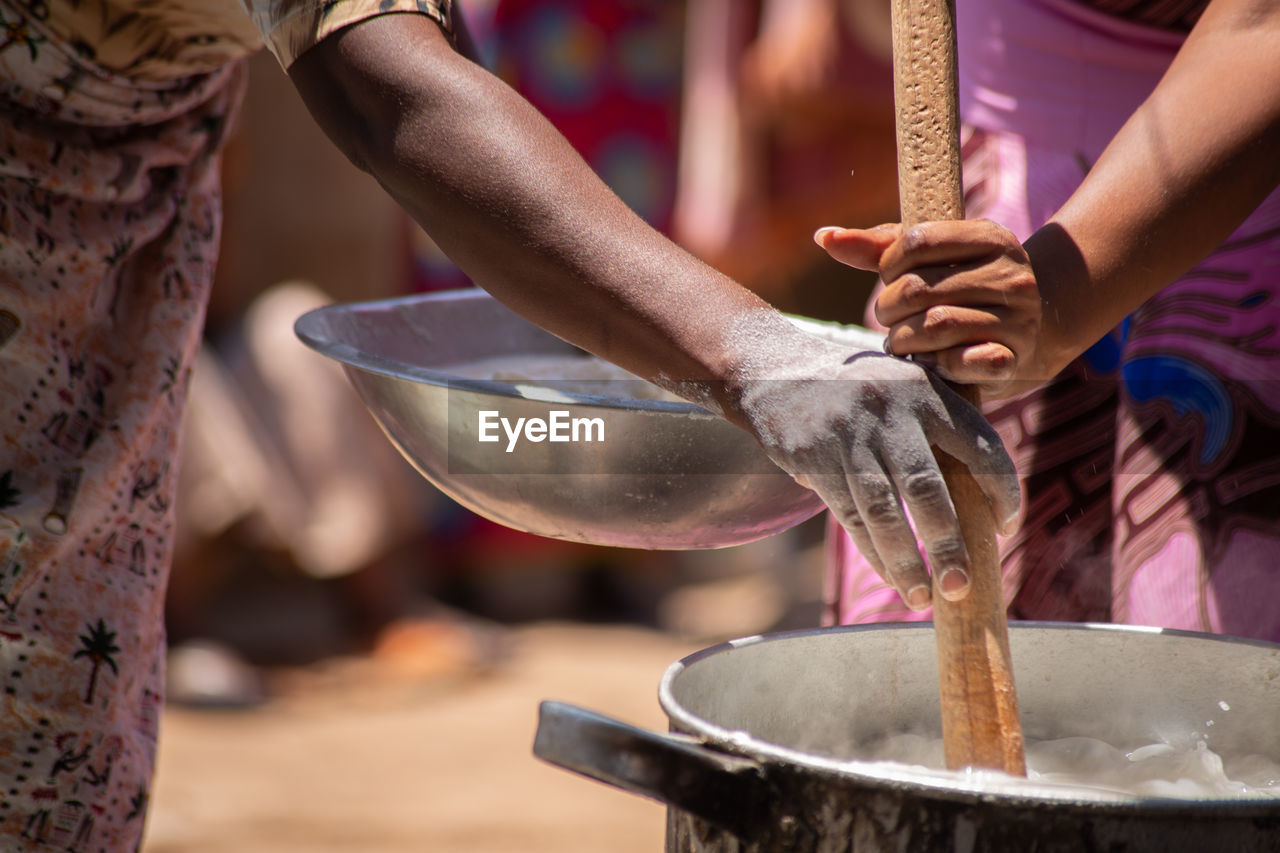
(154, 41)
(108, 234)
(166, 40)
(607, 75)
(1151, 467)
(112, 116)
(289, 27)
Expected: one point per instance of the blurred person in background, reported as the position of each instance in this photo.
(787, 122)
(301, 534)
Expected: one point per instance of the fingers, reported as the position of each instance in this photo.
(963, 292)
(946, 243)
(925, 493)
(944, 326)
(870, 506)
(858, 247)
(866, 504)
(965, 345)
(893, 250)
(1003, 284)
(966, 435)
(991, 366)
(974, 263)
(836, 494)
(880, 511)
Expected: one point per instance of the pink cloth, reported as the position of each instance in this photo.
(1151, 466)
(109, 224)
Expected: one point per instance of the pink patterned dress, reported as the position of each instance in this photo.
(112, 115)
(1151, 466)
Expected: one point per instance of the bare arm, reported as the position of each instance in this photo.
(516, 208)
(1190, 165)
(511, 201)
(1186, 169)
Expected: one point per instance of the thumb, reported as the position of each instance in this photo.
(860, 248)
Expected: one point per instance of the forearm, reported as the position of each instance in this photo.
(513, 204)
(1190, 165)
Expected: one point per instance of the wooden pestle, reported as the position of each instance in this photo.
(980, 723)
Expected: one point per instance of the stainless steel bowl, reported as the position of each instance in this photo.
(666, 475)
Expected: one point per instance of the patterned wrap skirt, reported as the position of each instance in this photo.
(109, 227)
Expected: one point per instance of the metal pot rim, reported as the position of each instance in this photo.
(946, 785)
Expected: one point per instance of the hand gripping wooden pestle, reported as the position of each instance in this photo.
(980, 723)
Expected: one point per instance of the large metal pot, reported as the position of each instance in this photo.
(768, 731)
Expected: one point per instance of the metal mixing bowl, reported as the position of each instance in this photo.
(666, 475)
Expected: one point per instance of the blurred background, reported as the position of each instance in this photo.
(355, 660)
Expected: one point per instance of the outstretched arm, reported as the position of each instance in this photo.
(516, 208)
(511, 202)
(1186, 169)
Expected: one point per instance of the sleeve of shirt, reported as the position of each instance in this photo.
(290, 27)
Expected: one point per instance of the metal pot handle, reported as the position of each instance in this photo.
(726, 790)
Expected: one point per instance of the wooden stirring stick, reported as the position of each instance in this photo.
(980, 723)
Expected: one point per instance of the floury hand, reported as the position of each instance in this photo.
(858, 428)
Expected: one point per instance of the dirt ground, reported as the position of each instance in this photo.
(345, 757)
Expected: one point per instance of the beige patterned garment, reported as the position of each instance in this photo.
(161, 40)
(112, 116)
